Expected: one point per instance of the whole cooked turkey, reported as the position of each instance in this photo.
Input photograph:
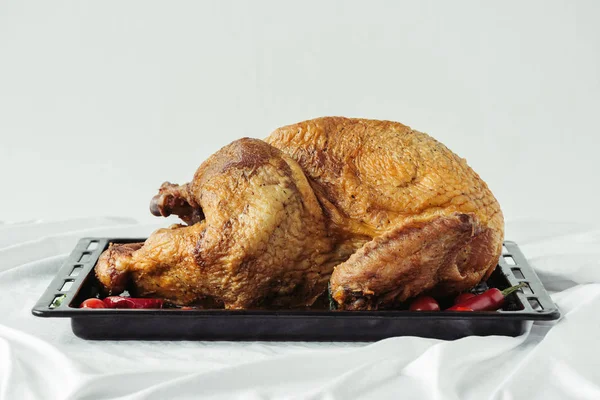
(373, 209)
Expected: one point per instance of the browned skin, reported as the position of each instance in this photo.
(380, 183)
(395, 212)
(263, 242)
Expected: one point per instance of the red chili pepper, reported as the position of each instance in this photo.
(490, 300)
(424, 303)
(461, 308)
(93, 303)
(463, 297)
(132, 302)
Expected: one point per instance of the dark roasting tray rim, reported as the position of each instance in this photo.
(480, 323)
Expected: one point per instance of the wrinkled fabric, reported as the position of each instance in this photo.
(40, 358)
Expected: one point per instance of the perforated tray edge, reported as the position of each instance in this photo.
(44, 308)
(513, 274)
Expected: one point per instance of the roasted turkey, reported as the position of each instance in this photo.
(373, 211)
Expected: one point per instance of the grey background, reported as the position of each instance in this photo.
(100, 102)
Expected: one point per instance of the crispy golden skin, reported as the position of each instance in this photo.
(404, 200)
(395, 212)
(263, 241)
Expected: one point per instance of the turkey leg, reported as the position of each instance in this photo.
(175, 199)
(410, 259)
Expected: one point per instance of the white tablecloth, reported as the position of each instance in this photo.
(42, 359)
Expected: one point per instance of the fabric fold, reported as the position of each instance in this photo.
(41, 358)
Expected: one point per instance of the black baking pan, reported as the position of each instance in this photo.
(76, 282)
